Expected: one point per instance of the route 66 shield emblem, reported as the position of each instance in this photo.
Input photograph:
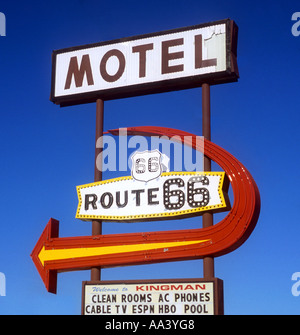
(146, 165)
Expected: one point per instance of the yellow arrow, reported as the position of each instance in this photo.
(60, 254)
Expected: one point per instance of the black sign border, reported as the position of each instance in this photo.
(217, 288)
(231, 73)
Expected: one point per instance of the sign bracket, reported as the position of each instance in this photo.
(207, 221)
(97, 224)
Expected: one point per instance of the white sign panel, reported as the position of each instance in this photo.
(171, 195)
(146, 165)
(139, 65)
(179, 298)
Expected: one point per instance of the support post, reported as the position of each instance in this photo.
(97, 224)
(208, 262)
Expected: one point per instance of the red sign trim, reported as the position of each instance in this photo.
(236, 227)
(162, 246)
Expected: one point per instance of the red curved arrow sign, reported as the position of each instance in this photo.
(53, 254)
(236, 227)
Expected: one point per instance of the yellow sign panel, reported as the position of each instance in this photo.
(172, 195)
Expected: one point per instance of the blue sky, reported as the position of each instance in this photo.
(46, 151)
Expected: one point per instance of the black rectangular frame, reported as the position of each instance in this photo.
(217, 287)
(231, 73)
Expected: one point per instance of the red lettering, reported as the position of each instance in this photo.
(201, 287)
(142, 49)
(189, 287)
(166, 56)
(179, 287)
(155, 288)
(199, 62)
(85, 68)
(165, 287)
(172, 287)
(121, 58)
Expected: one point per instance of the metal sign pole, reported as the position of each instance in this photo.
(97, 224)
(208, 262)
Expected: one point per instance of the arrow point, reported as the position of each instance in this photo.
(48, 276)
